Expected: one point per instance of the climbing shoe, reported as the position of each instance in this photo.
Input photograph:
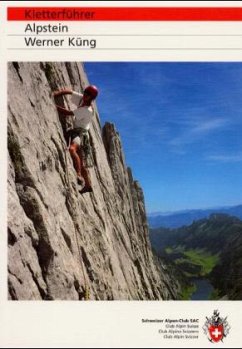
(86, 190)
(80, 180)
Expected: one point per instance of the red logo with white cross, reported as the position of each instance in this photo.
(216, 328)
(216, 332)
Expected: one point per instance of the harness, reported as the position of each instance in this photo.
(77, 132)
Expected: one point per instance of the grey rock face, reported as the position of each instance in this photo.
(61, 242)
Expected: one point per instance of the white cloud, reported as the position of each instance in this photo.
(209, 125)
(225, 158)
(193, 130)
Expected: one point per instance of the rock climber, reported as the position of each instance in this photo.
(82, 118)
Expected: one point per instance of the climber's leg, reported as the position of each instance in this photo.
(85, 175)
(74, 147)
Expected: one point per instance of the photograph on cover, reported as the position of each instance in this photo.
(124, 181)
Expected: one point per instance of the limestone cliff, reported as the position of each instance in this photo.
(61, 242)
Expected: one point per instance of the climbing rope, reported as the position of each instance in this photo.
(67, 150)
(87, 151)
(86, 287)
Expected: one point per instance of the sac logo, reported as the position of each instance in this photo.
(216, 328)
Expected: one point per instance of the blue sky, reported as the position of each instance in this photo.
(180, 126)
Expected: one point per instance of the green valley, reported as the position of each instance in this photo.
(208, 250)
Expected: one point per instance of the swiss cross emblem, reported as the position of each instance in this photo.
(216, 328)
(216, 332)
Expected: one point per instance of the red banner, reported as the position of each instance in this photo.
(124, 14)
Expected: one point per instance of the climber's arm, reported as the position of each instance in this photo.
(64, 111)
(62, 92)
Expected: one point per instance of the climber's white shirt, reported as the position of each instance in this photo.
(82, 115)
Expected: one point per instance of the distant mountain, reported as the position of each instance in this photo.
(187, 217)
(227, 275)
(210, 233)
(211, 246)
